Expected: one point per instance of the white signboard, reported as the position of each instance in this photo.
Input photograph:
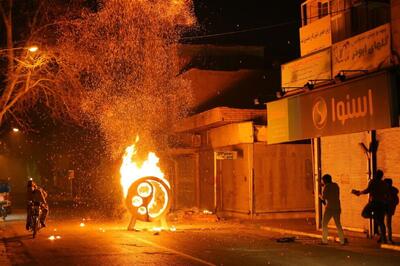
(226, 155)
(315, 36)
(315, 66)
(367, 51)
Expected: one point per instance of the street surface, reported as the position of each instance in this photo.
(222, 243)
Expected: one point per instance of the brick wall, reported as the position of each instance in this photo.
(343, 158)
(388, 159)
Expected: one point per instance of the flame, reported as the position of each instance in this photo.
(131, 171)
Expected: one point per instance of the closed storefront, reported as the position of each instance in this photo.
(185, 185)
(283, 178)
(206, 175)
(236, 181)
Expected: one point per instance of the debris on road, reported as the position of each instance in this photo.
(286, 239)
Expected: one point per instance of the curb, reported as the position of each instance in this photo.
(293, 232)
(312, 235)
(391, 247)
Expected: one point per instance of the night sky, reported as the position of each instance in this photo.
(229, 16)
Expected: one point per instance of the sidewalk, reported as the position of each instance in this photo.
(298, 227)
(306, 228)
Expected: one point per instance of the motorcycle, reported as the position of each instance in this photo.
(36, 213)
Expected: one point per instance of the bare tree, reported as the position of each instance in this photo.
(33, 72)
(116, 64)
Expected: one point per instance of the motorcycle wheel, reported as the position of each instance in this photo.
(3, 213)
(35, 227)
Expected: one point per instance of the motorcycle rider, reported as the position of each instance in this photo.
(36, 194)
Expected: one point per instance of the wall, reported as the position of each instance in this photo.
(283, 178)
(231, 134)
(343, 158)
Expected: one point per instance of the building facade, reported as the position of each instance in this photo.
(343, 94)
(230, 169)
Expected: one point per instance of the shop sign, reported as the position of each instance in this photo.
(367, 51)
(226, 155)
(359, 105)
(315, 36)
(298, 72)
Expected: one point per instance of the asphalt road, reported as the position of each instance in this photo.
(108, 243)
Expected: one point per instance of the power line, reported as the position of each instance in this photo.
(239, 31)
(222, 34)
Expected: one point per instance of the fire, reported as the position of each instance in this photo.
(130, 170)
(146, 190)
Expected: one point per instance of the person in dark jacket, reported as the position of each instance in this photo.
(36, 194)
(392, 202)
(378, 192)
(331, 198)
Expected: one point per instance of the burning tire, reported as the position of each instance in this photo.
(148, 199)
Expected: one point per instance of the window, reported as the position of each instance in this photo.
(323, 9)
(304, 14)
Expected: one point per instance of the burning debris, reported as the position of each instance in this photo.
(146, 190)
(52, 237)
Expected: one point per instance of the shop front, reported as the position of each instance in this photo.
(354, 130)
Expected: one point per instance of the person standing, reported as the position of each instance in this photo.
(377, 206)
(393, 201)
(331, 198)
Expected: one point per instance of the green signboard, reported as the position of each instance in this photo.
(357, 105)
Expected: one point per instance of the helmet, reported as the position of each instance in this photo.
(31, 183)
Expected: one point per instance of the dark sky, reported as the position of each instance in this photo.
(216, 16)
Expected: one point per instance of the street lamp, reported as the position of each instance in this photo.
(32, 49)
(15, 129)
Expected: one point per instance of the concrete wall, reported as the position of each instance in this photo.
(283, 178)
(343, 158)
(231, 134)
